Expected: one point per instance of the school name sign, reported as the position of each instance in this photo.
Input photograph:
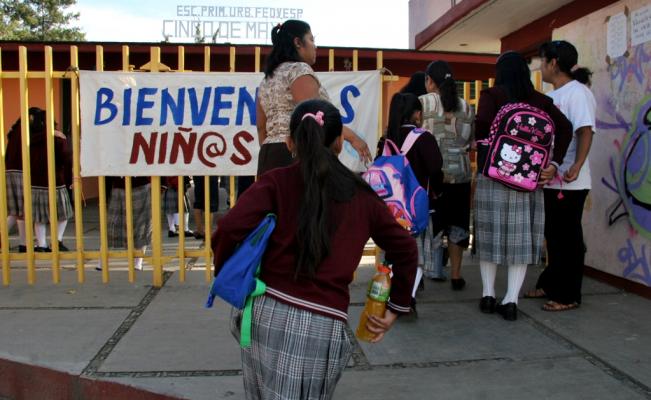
(168, 124)
(227, 23)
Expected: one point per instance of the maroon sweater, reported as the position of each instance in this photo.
(280, 191)
(490, 102)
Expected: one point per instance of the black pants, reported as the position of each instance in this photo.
(563, 277)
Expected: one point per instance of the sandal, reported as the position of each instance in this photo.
(554, 306)
(535, 294)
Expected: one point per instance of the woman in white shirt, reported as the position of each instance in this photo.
(565, 196)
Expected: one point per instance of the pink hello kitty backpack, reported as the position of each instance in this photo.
(519, 146)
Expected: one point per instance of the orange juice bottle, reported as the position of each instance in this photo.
(376, 299)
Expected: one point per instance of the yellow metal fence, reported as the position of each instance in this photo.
(158, 257)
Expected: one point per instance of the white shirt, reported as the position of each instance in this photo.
(577, 102)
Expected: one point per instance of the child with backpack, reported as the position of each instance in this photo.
(422, 151)
(510, 219)
(300, 343)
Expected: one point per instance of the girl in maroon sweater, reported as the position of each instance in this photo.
(325, 216)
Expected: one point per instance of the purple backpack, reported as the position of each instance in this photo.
(519, 146)
(392, 178)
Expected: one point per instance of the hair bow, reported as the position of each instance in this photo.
(517, 149)
(318, 117)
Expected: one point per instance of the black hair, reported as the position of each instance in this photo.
(325, 178)
(513, 75)
(566, 58)
(284, 49)
(441, 73)
(37, 121)
(402, 108)
(416, 84)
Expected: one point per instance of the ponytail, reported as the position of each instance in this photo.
(284, 49)
(441, 74)
(582, 75)
(401, 109)
(315, 125)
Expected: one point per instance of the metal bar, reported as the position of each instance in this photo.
(33, 74)
(128, 193)
(356, 61)
(181, 199)
(77, 183)
(478, 87)
(537, 80)
(156, 248)
(379, 65)
(206, 196)
(466, 93)
(4, 234)
(231, 179)
(331, 60)
(51, 168)
(27, 184)
(101, 183)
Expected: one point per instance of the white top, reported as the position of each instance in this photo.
(577, 102)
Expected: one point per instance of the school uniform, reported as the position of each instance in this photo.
(39, 176)
(509, 223)
(117, 212)
(299, 340)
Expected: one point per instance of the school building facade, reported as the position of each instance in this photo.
(613, 39)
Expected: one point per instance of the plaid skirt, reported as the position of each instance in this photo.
(40, 200)
(117, 217)
(171, 203)
(428, 244)
(294, 353)
(509, 224)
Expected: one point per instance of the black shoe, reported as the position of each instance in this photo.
(38, 249)
(487, 304)
(509, 311)
(172, 234)
(458, 284)
(63, 247)
(189, 233)
(22, 249)
(199, 235)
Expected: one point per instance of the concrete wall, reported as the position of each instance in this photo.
(422, 13)
(617, 217)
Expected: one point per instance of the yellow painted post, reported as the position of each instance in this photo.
(4, 234)
(101, 183)
(491, 82)
(206, 194)
(537, 80)
(478, 86)
(466, 92)
(181, 200)
(51, 172)
(157, 246)
(231, 179)
(379, 65)
(27, 184)
(257, 58)
(331, 60)
(356, 61)
(76, 168)
(128, 193)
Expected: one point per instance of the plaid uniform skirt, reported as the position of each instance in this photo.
(40, 200)
(509, 224)
(294, 353)
(428, 244)
(117, 217)
(170, 201)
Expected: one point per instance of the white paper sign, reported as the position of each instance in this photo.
(170, 124)
(641, 26)
(616, 39)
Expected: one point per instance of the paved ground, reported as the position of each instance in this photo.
(163, 340)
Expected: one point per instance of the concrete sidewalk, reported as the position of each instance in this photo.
(164, 341)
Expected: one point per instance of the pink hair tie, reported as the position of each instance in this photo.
(318, 117)
(575, 67)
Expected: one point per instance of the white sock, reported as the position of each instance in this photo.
(517, 272)
(137, 262)
(61, 228)
(21, 231)
(488, 271)
(11, 221)
(39, 231)
(419, 276)
(170, 222)
(186, 218)
(176, 218)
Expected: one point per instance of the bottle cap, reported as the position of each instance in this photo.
(383, 268)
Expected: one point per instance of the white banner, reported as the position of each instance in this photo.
(169, 124)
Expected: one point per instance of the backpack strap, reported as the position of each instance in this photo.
(388, 147)
(410, 140)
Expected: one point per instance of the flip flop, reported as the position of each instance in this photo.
(535, 294)
(554, 306)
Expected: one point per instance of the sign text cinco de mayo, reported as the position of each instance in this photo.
(162, 124)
